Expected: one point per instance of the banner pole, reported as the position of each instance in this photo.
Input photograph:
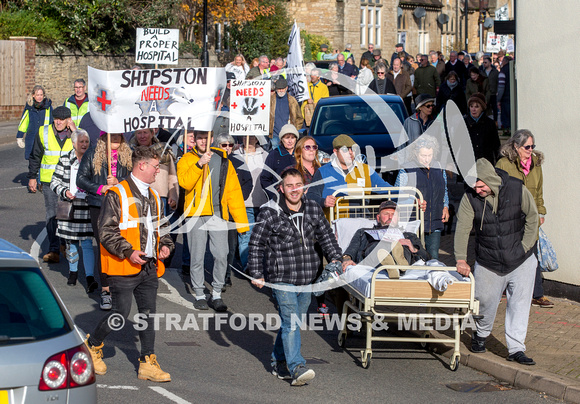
(109, 153)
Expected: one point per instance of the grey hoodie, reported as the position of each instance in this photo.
(485, 172)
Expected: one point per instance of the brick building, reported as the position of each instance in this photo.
(423, 25)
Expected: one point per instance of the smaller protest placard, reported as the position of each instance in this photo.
(250, 107)
(493, 42)
(157, 46)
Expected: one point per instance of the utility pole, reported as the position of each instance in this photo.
(205, 41)
(466, 26)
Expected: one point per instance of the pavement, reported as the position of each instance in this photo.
(553, 341)
(553, 338)
(8, 130)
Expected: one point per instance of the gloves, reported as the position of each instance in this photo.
(20, 142)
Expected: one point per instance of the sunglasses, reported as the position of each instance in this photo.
(429, 106)
(528, 147)
(310, 147)
(380, 72)
(226, 145)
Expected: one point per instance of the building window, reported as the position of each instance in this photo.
(370, 22)
(363, 27)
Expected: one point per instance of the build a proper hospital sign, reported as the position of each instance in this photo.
(127, 100)
(250, 107)
(157, 46)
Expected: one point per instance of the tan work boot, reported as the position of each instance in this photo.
(150, 370)
(51, 257)
(97, 356)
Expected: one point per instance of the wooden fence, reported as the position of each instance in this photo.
(12, 73)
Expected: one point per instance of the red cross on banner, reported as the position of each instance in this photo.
(263, 106)
(234, 105)
(103, 100)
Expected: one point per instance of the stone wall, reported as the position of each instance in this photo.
(57, 72)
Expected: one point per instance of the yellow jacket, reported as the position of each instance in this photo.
(320, 90)
(198, 199)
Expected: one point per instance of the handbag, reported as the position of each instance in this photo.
(546, 253)
(64, 210)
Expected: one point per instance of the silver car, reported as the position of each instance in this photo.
(42, 354)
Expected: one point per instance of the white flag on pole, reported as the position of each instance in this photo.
(297, 83)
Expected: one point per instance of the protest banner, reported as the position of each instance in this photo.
(296, 76)
(157, 46)
(127, 100)
(250, 107)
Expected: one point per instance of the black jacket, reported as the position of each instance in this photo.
(484, 137)
(385, 88)
(278, 160)
(362, 245)
(499, 235)
(90, 182)
(456, 95)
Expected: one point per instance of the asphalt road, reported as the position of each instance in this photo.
(232, 364)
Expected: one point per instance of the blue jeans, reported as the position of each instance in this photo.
(287, 345)
(244, 239)
(432, 243)
(72, 255)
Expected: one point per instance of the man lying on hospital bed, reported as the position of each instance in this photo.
(385, 243)
(388, 243)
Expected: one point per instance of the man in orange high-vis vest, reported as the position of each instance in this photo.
(132, 247)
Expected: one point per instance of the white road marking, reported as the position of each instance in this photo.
(106, 386)
(11, 188)
(169, 395)
(175, 297)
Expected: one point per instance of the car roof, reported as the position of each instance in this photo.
(13, 256)
(341, 99)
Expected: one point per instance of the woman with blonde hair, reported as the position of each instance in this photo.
(522, 161)
(94, 178)
(238, 67)
(37, 112)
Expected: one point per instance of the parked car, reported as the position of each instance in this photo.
(42, 355)
(358, 116)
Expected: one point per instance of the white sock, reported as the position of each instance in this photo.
(202, 297)
(216, 295)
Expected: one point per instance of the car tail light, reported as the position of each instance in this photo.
(67, 369)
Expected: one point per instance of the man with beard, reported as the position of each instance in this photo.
(284, 236)
(284, 109)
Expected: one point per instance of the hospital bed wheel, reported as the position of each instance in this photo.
(341, 339)
(454, 363)
(425, 345)
(366, 360)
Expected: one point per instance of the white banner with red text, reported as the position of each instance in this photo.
(127, 100)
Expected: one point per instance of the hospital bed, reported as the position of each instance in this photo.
(375, 295)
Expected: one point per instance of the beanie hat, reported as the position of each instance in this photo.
(478, 98)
